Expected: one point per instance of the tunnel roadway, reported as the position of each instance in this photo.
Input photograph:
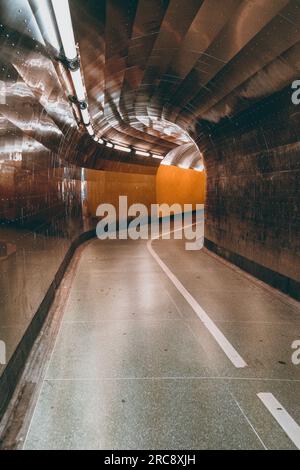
(134, 367)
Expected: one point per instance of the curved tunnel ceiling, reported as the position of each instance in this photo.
(185, 156)
(155, 72)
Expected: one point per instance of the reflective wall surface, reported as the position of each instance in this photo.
(42, 211)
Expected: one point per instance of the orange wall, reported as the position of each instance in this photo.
(170, 185)
(107, 186)
(176, 185)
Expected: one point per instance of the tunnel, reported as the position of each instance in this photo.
(149, 224)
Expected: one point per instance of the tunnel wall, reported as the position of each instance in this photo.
(107, 186)
(178, 185)
(41, 215)
(41, 219)
(170, 185)
(253, 191)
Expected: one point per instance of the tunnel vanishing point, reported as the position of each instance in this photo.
(135, 343)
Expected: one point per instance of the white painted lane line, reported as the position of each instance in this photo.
(288, 424)
(223, 342)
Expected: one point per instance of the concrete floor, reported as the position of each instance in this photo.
(133, 366)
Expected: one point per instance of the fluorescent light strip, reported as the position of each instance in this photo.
(78, 84)
(123, 149)
(64, 23)
(85, 116)
(142, 153)
(160, 157)
(90, 129)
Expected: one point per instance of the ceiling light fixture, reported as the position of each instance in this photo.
(64, 22)
(142, 153)
(85, 116)
(70, 58)
(123, 149)
(160, 157)
(78, 84)
(90, 129)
